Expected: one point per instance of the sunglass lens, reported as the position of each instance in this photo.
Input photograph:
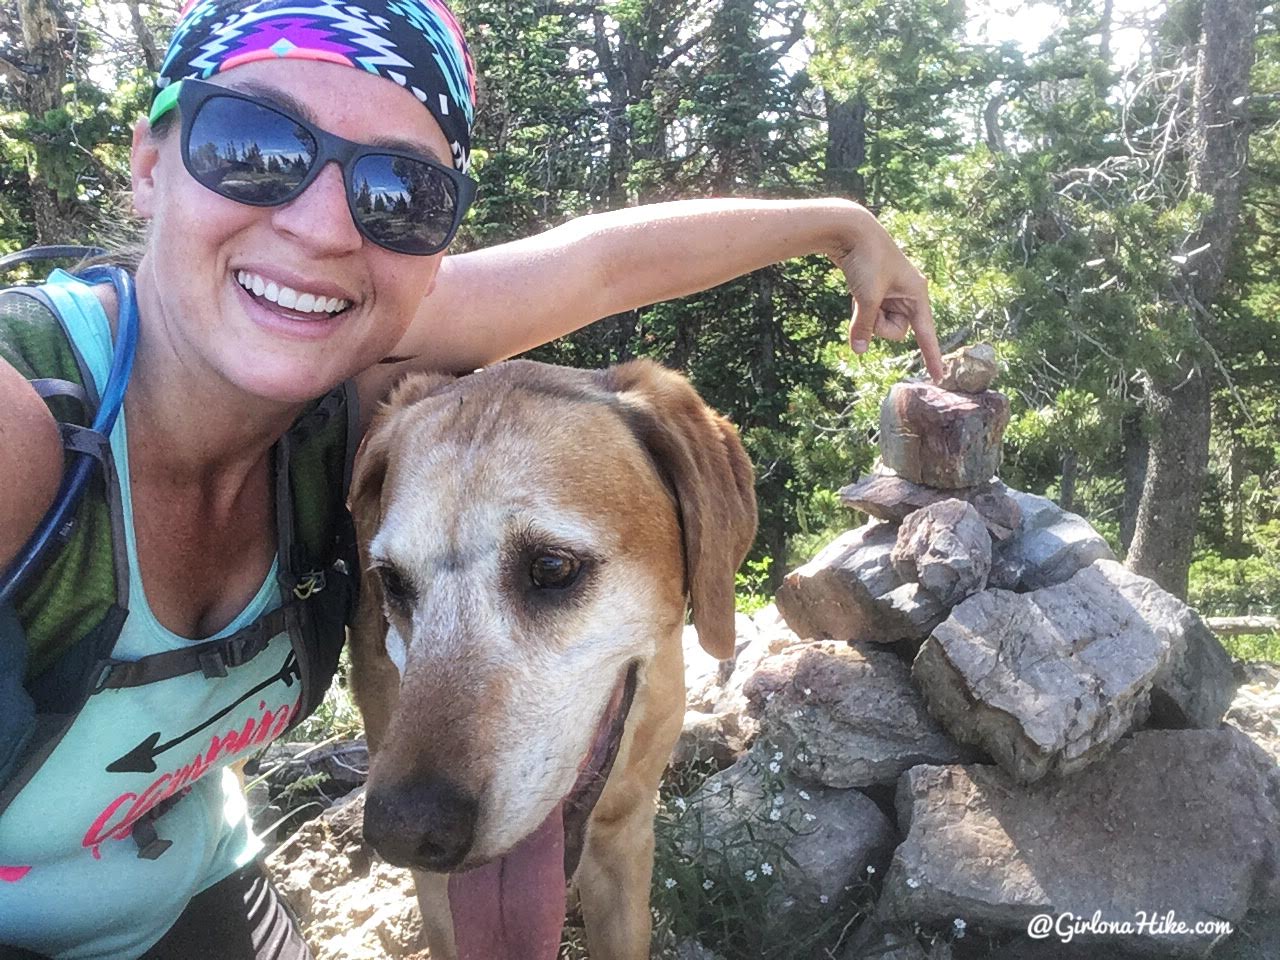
(248, 152)
(403, 204)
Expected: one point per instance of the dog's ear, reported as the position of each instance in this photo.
(700, 455)
(370, 471)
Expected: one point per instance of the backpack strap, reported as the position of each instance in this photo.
(316, 536)
(68, 611)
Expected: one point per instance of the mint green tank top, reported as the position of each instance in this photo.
(71, 882)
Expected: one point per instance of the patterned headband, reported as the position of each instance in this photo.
(416, 43)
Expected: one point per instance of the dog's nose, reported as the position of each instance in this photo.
(427, 823)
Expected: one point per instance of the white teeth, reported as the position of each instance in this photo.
(289, 298)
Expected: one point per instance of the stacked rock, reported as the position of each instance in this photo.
(1036, 663)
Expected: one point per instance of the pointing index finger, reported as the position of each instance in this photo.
(927, 338)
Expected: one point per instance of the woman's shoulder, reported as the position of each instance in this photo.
(31, 467)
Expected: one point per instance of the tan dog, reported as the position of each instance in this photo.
(530, 534)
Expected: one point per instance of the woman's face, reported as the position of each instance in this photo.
(203, 248)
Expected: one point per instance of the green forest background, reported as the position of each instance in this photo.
(1112, 228)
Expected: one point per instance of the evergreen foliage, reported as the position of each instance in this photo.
(1045, 190)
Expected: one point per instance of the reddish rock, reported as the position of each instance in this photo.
(942, 439)
(887, 496)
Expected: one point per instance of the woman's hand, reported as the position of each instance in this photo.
(497, 302)
(890, 296)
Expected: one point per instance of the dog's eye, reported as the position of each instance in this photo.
(399, 592)
(553, 572)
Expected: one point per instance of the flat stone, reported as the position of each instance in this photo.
(1046, 682)
(940, 438)
(970, 369)
(845, 715)
(1184, 821)
(944, 547)
(886, 496)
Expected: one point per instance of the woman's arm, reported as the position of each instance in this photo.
(495, 303)
(32, 462)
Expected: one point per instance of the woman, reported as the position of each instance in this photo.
(270, 276)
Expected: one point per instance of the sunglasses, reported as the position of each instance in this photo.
(255, 152)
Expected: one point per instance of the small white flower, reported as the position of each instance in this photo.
(716, 786)
(824, 899)
(766, 869)
(959, 925)
(807, 691)
(775, 814)
(778, 755)
(912, 882)
(708, 884)
(680, 803)
(774, 766)
(802, 757)
(668, 883)
(804, 795)
(751, 876)
(870, 869)
(776, 801)
(797, 714)
(810, 816)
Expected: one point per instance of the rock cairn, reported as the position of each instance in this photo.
(963, 714)
(1040, 729)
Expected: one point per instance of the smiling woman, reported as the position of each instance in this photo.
(302, 172)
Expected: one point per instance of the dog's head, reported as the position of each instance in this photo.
(531, 534)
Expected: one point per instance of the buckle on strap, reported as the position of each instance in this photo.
(308, 584)
(78, 439)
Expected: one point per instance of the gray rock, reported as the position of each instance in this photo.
(815, 840)
(1050, 546)
(718, 738)
(704, 675)
(1184, 821)
(1197, 685)
(887, 496)
(845, 716)
(942, 439)
(1256, 706)
(945, 547)
(1047, 681)
(969, 369)
(850, 591)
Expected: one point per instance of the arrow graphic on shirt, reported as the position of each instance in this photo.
(142, 758)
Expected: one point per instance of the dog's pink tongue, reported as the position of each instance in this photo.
(513, 908)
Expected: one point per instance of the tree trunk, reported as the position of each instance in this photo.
(1067, 492)
(1235, 479)
(147, 42)
(40, 92)
(1134, 438)
(846, 146)
(1179, 398)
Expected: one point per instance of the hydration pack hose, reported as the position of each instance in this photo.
(53, 526)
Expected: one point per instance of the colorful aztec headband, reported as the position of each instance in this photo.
(416, 43)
